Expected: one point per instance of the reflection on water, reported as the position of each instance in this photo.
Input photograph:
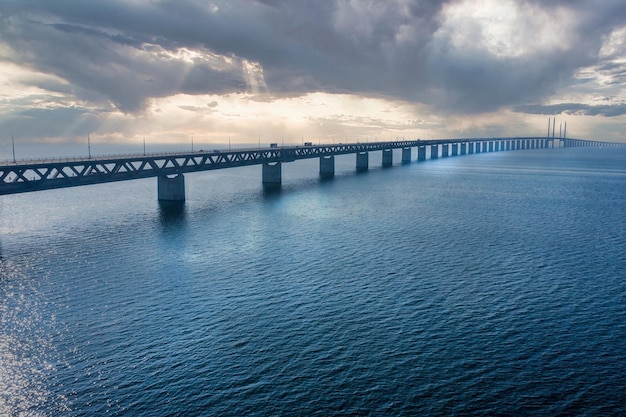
(172, 212)
(271, 192)
(27, 355)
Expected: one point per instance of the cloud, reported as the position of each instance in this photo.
(606, 110)
(456, 57)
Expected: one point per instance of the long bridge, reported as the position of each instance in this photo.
(37, 175)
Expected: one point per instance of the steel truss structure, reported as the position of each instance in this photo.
(36, 175)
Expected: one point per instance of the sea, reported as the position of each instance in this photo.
(478, 285)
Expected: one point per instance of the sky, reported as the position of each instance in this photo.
(288, 71)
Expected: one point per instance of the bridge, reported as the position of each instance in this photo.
(38, 175)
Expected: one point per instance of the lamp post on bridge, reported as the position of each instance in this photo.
(13, 145)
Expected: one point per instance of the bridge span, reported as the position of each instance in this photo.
(38, 175)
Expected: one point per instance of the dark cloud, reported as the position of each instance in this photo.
(126, 52)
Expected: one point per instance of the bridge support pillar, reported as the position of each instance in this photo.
(406, 155)
(387, 157)
(362, 161)
(490, 146)
(444, 150)
(327, 166)
(463, 148)
(455, 149)
(470, 147)
(434, 151)
(421, 153)
(171, 189)
(272, 175)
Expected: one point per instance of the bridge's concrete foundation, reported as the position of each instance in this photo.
(421, 153)
(272, 175)
(434, 151)
(455, 149)
(387, 157)
(470, 147)
(362, 161)
(171, 189)
(490, 146)
(327, 166)
(444, 150)
(463, 148)
(406, 155)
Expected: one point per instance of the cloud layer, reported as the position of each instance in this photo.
(456, 57)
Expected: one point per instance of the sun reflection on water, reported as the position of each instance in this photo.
(27, 355)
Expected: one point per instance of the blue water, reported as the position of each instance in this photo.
(489, 284)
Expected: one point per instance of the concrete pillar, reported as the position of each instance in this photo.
(421, 153)
(444, 150)
(171, 189)
(434, 151)
(471, 148)
(362, 161)
(406, 155)
(387, 157)
(455, 149)
(272, 175)
(508, 145)
(490, 146)
(463, 148)
(327, 166)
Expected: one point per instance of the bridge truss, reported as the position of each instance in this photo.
(35, 175)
